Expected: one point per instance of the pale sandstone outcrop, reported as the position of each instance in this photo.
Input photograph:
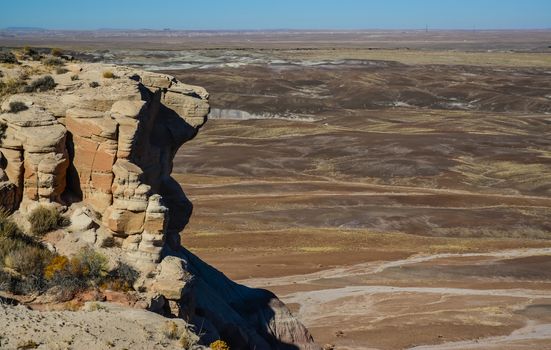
(108, 151)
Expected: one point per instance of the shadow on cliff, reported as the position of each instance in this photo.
(246, 318)
(73, 191)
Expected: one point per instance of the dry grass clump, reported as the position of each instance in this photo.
(28, 71)
(17, 106)
(44, 220)
(61, 70)
(74, 77)
(12, 86)
(185, 336)
(94, 84)
(188, 339)
(27, 344)
(170, 330)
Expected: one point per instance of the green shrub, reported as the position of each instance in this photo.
(7, 57)
(44, 220)
(16, 107)
(74, 77)
(41, 84)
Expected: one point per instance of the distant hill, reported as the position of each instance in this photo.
(24, 29)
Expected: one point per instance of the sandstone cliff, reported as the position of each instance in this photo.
(100, 145)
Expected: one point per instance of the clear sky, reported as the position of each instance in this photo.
(276, 14)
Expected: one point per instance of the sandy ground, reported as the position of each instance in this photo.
(98, 326)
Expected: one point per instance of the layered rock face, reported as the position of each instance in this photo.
(107, 144)
(110, 147)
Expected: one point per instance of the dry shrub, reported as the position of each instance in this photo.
(188, 339)
(53, 62)
(44, 220)
(24, 256)
(16, 107)
(29, 262)
(44, 83)
(122, 278)
(8, 57)
(170, 330)
(69, 276)
(12, 86)
(56, 52)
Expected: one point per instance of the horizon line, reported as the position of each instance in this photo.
(168, 29)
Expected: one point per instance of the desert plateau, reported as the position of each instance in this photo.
(276, 189)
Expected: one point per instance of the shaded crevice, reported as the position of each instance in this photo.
(73, 191)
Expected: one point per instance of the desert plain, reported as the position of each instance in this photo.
(393, 188)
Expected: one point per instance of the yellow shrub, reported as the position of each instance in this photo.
(58, 264)
(108, 74)
(219, 345)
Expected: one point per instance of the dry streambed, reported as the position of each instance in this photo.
(439, 301)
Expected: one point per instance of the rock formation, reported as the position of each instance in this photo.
(104, 147)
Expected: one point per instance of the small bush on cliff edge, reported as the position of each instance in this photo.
(44, 220)
(86, 269)
(22, 259)
(121, 278)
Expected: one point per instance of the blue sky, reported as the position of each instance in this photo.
(276, 14)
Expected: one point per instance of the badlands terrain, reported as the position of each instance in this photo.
(393, 189)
